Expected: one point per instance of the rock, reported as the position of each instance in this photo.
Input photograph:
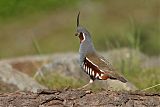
(5, 87)
(22, 81)
(27, 64)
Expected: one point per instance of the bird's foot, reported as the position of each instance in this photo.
(85, 86)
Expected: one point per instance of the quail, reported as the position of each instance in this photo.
(96, 66)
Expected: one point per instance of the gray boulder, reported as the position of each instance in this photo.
(22, 81)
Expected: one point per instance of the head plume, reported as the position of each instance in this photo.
(78, 18)
(86, 44)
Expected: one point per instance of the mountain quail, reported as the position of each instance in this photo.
(93, 64)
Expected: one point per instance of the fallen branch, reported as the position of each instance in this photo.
(74, 98)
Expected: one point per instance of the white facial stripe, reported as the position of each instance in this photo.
(84, 38)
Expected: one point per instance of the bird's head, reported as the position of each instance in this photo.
(82, 33)
(86, 45)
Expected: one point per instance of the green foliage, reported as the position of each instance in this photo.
(139, 77)
(142, 78)
(12, 8)
(145, 78)
(36, 45)
(57, 81)
(109, 31)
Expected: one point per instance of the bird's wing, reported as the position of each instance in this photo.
(104, 66)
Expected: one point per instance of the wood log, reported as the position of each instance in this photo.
(79, 98)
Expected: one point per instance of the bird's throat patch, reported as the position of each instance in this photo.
(81, 37)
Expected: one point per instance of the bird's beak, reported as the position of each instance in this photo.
(76, 34)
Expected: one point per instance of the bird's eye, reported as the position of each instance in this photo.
(76, 34)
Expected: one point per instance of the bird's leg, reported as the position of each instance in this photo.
(90, 82)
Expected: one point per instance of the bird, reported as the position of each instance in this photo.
(93, 64)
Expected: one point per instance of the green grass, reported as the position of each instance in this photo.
(140, 77)
(145, 78)
(57, 81)
(18, 8)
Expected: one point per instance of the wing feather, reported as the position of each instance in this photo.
(104, 67)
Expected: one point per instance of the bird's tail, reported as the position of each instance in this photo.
(120, 78)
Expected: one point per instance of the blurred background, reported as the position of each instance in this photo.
(30, 27)
(51, 25)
